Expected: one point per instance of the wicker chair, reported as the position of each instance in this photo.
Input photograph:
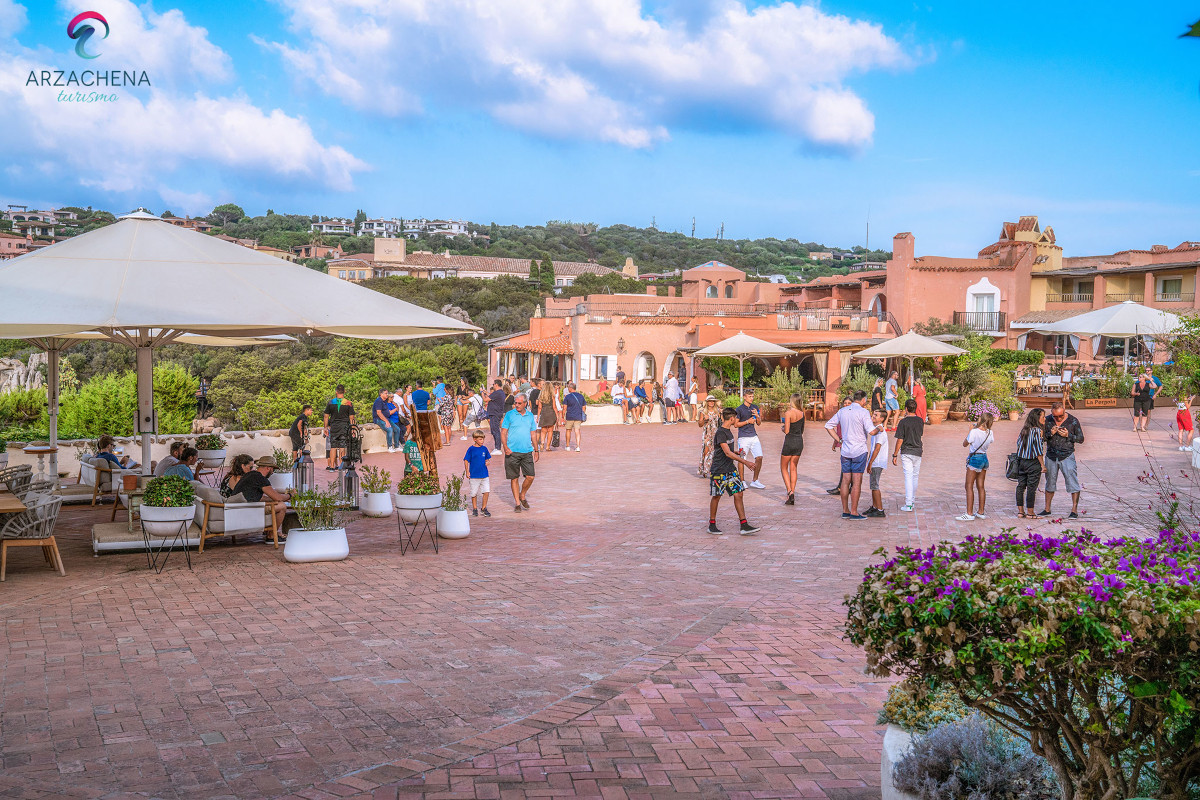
(33, 527)
(45, 487)
(16, 478)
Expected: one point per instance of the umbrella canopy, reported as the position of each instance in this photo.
(145, 282)
(742, 347)
(1119, 321)
(910, 345)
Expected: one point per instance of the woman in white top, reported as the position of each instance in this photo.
(619, 400)
(693, 392)
(978, 440)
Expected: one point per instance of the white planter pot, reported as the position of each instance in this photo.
(410, 505)
(281, 481)
(896, 744)
(304, 546)
(376, 504)
(165, 522)
(453, 524)
(212, 458)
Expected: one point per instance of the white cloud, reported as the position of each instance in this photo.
(149, 139)
(192, 203)
(596, 69)
(12, 18)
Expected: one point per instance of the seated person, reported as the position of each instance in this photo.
(161, 468)
(412, 457)
(256, 488)
(104, 450)
(237, 470)
(184, 466)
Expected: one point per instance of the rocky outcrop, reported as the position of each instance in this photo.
(454, 312)
(15, 374)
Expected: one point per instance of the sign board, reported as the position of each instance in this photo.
(1100, 402)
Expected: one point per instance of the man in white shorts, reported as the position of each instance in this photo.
(747, 435)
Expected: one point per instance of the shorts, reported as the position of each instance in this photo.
(750, 446)
(339, 438)
(856, 465)
(727, 483)
(480, 486)
(875, 473)
(1183, 420)
(618, 401)
(518, 464)
(892, 404)
(572, 424)
(977, 462)
(1141, 408)
(297, 442)
(1069, 472)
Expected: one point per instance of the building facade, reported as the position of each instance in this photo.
(391, 259)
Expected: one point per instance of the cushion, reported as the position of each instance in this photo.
(207, 493)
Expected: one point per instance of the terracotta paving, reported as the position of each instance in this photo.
(599, 645)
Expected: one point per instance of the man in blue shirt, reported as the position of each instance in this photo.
(573, 403)
(439, 391)
(420, 398)
(379, 415)
(495, 413)
(475, 464)
(516, 436)
(185, 466)
(748, 443)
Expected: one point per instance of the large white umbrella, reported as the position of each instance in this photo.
(911, 345)
(1127, 320)
(145, 282)
(742, 347)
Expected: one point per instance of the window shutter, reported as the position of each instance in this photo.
(585, 367)
(612, 368)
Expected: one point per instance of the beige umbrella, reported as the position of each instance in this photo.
(145, 282)
(742, 347)
(911, 345)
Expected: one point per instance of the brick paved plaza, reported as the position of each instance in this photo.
(601, 645)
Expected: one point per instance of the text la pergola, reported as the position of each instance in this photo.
(58, 77)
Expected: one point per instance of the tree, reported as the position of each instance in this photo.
(547, 274)
(225, 213)
(535, 271)
(168, 215)
(319, 264)
(360, 217)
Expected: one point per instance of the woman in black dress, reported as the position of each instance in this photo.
(793, 445)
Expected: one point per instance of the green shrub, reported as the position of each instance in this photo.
(1011, 359)
(859, 378)
(169, 491)
(781, 385)
(1111, 381)
(320, 510)
(918, 712)
(418, 483)
(452, 497)
(283, 459)
(210, 441)
(375, 480)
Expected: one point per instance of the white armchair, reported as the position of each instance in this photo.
(232, 517)
(101, 475)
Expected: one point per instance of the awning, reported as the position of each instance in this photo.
(551, 346)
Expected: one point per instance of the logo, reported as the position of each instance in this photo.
(81, 29)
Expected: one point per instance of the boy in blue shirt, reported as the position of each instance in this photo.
(475, 465)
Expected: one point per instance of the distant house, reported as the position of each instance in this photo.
(12, 245)
(777, 278)
(190, 223)
(275, 251)
(867, 265)
(414, 228)
(317, 251)
(391, 259)
(342, 226)
(820, 255)
(381, 228)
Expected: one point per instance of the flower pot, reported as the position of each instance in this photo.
(936, 417)
(411, 505)
(956, 416)
(896, 744)
(165, 522)
(212, 458)
(281, 481)
(304, 546)
(1014, 415)
(376, 504)
(453, 524)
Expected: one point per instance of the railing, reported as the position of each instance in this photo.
(1069, 298)
(829, 302)
(1121, 298)
(824, 319)
(1175, 297)
(981, 320)
(661, 306)
(598, 318)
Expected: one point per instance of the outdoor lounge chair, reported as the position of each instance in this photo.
(217, 516)
(101, 475)
(33, 527)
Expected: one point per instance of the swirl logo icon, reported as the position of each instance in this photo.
(81, 29)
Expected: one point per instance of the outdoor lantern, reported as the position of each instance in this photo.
(348, 484)
(304, 473)
(621, 345)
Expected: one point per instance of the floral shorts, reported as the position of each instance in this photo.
(728, 483)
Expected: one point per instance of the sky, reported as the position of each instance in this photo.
(775, 119)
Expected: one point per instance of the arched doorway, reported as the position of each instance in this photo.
(878, 305)
(643, 367)
(677, 364)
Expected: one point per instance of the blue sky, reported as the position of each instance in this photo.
(944, 119)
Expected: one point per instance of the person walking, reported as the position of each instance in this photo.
(748, 443)
(877, 396)
(339, 419)
(673, 398)
(445, 413)
(709, 420)
(1183, 421)
(495, 413)
(837, 443)
(535, 407)
(516, 434)
(1031, 462)
(891, 400)
(574, 404)
(380, 416)
(693, 396)
(475, 466)
(851, 428)
(793, 445)
(877, 458)
(725, 478)
(920, 395)
(978, 440)
(1062, 432)
(1143, 400)
(547, 416)
(908, 449)
(462, 398)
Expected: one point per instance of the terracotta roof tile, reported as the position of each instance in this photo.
(1028, 224)
(552, 345)
(656, 320)
(506, 266)
(946, 264)
(1044, 317)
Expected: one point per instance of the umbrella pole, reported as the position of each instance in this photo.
(741, 375)
(144, 355)
(52, 353)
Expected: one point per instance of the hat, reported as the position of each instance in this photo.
(266, 461)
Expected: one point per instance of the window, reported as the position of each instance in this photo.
(711, 291)
(1170, 288)
(341, 273)
(1114, 348)
(362, 273)
(601, 369)
(729, 290)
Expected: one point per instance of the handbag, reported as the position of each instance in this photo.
(554, 440)
(1012, 467)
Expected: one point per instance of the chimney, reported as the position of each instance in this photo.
(670, 291)
(904, 247)
(630, 270)
(651, 290)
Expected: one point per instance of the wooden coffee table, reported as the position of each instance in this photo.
(10, 504)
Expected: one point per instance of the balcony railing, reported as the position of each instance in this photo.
(1069, 298)
(982, 321)
(1175, 297)
(1121, 298)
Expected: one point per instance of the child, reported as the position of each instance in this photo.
(724, 478)
(412, 456)
(475, 465)
(1183, 421)
(877, 463)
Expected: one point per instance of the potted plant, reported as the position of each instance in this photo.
(1011, 407)
(167, 504)
(211, 449)
(281, 478)
(453, 522)
(416, 493)
(376, 499)
(322, 532)
(981, 407)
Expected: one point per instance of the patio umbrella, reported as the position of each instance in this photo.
(1127, 320)
(742, 347)
(145, 283)
(911, 345)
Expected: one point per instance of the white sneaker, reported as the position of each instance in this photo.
(577, 449)
(981, 516)
(756, 485)
(906, 508)
(464, 438)
(568, 448)
(495, 452)
(391, 449)
(965, 517)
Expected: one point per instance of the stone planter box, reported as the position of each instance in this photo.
(896, 742)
